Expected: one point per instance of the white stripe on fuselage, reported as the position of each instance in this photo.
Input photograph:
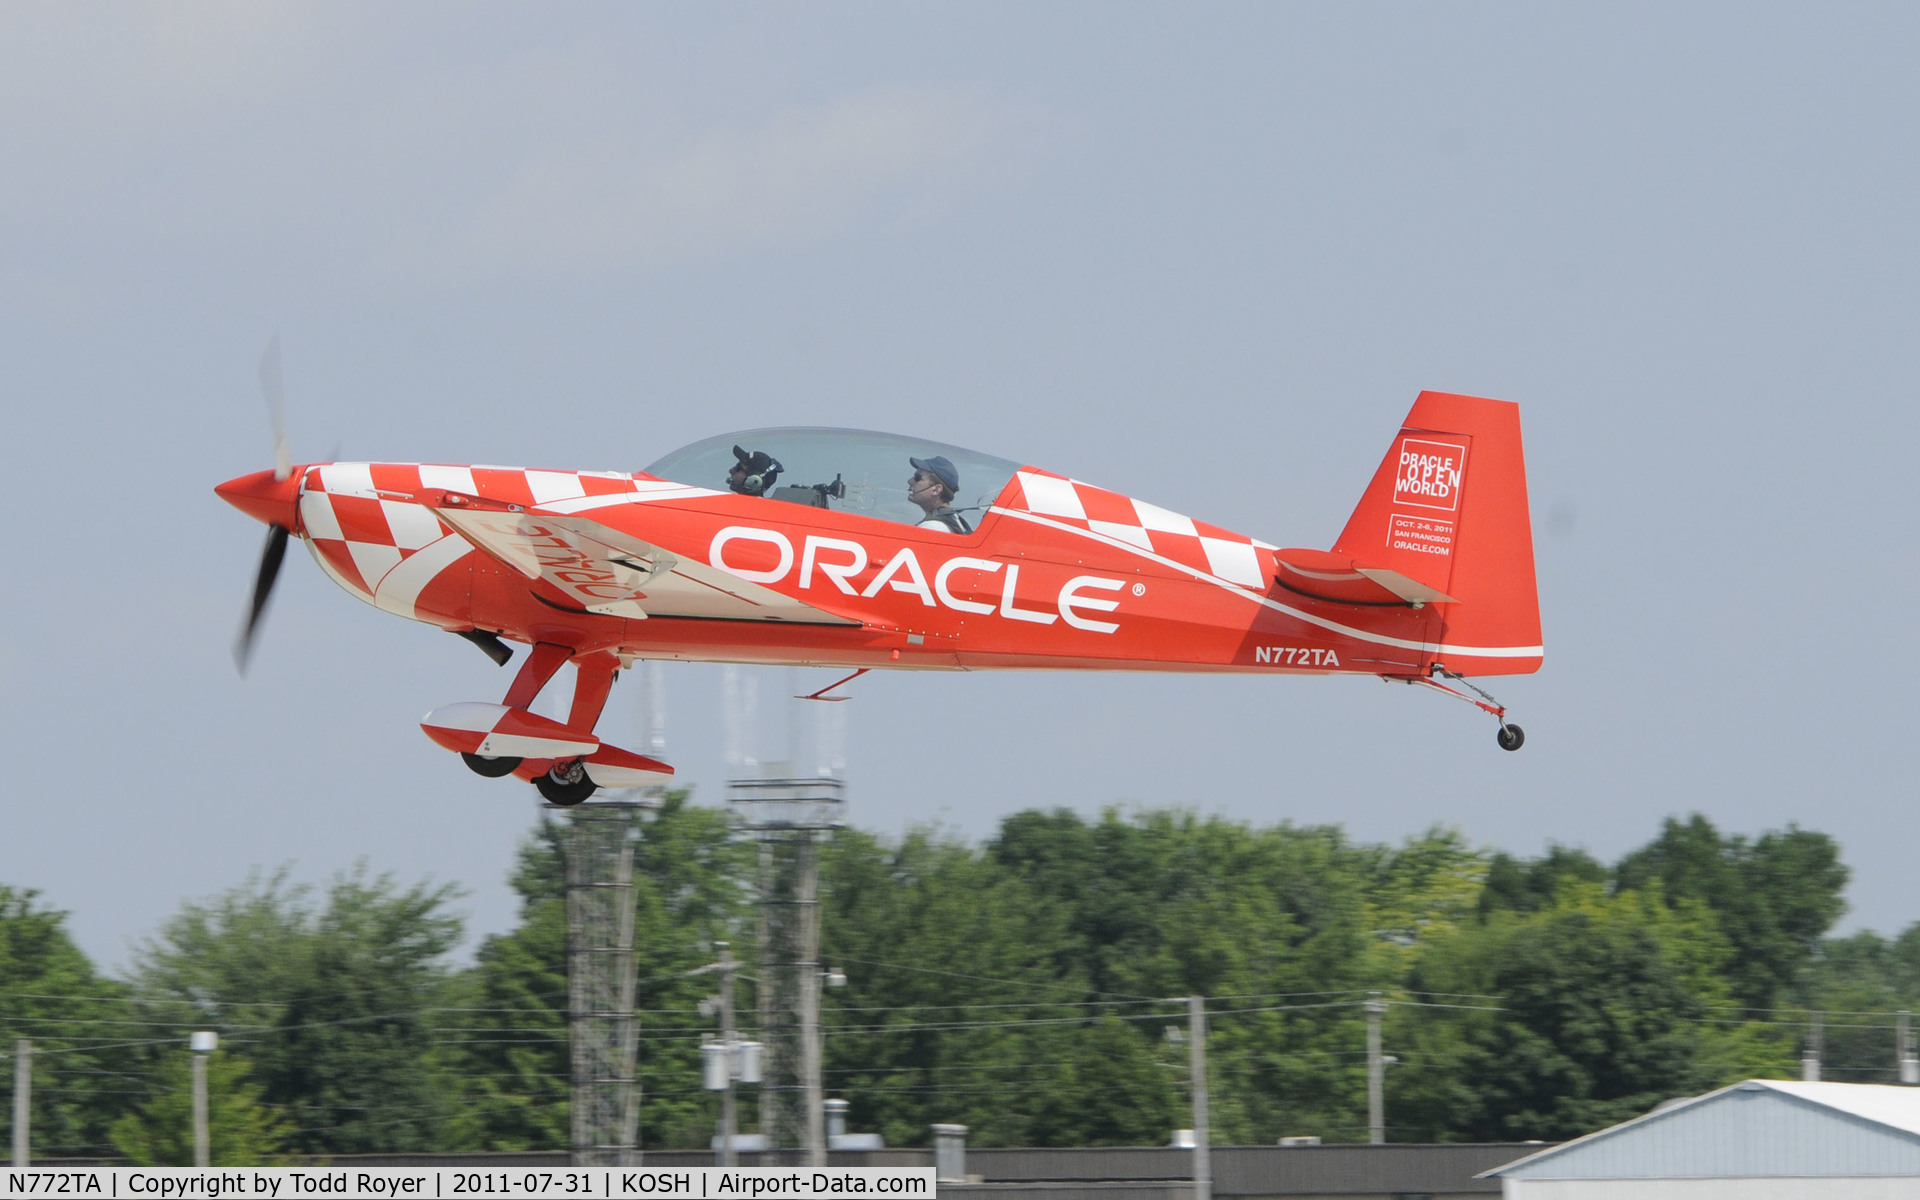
(400, 588)
(1379, 639)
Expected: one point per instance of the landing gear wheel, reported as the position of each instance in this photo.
(492, 768)
(566, 784)
(1512, 737)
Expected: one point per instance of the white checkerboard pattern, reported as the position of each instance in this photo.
(1231, 557)
(370, 532)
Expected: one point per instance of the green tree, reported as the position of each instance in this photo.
(241, 1130)
(1572, 1018)
(1113, 1089)
(1774, 897)
(1530, 885)
(1858, 984)
(959, 1004)
(337, 1002)
(1291, 921)
(512, 1056)
(82, 1028)
(1026, 986)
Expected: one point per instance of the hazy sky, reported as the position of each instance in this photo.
(1205, 255)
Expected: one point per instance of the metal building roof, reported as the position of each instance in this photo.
(1756, 1129)
(1898, 1107)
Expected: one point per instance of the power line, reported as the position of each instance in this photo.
(985, 978)
(1011, 1004)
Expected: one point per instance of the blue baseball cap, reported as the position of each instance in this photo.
(941, 468)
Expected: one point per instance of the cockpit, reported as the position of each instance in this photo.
(880, 475)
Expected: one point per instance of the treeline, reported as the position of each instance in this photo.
(1030, 987)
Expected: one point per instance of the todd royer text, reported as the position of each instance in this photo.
(437, 1183)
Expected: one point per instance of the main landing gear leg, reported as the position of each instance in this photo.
(567, 783)
(1510, 737)
(590, 688)
(535, 670)
(542, 662)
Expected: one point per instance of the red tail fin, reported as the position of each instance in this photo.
(1448, 509)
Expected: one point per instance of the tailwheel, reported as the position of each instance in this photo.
(566, 784)
(492, 768)
(1511, 737)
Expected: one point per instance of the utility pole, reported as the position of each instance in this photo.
(202, 1044)
(1816, 1043)
(729, 1060)
(811, 1054)
(1903, 1049)
(1376, 1073)
(729, 1120)
(22, 1102)
(1197, 1067)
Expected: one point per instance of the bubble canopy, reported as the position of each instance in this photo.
(872, 468)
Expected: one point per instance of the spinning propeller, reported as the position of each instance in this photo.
(270, 559)
(273, 498)
(269, 496)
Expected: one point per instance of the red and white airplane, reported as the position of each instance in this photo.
(840, 548)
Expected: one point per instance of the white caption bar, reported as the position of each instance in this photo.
(449, 1183)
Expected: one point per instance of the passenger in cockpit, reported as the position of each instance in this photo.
(933, 486)
(752, 474)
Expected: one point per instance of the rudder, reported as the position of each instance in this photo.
(1448, 509)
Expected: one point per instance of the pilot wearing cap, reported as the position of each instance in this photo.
(933, 486)
(752, 474)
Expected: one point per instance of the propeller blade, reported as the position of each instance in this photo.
(276, 407)
(262, 589)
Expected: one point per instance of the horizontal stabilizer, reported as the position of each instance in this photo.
(612, 767)
(1325, 575)
(496, 731)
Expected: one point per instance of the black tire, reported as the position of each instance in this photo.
(1512, 737)
(566, 795)
(492, 768)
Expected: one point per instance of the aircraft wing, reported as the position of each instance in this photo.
(614, 573)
